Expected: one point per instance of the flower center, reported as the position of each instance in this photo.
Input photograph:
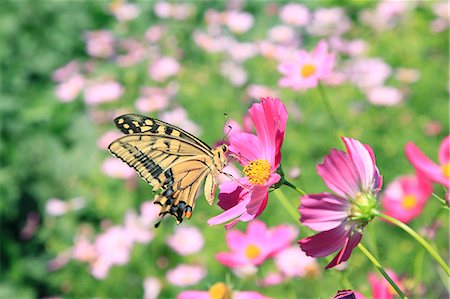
(257, 172)
(252, 251)
(308, 70)
(409, 201)
(219, 290)
(446, 170)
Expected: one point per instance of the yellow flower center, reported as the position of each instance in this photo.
(219, 290)
(446, 170)
(308, 70)
(409, 201)
(361, 201)
(252, 251)
(257, 172)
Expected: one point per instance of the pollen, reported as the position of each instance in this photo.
(308, 70)
(219, 290)
(252, 251)
(409, 201)
(446, 170)
(257, 172)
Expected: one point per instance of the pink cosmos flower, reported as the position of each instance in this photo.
(178, 116)
(137, 229)
(117, 238)
(108, 137)
(102, 92)
(295, 14)
(384, 96)
(307, 69)
(117, 169)
(152, 287)
(163, 68)
(153, 99)
(256, 245)
(292, 262)
(340, 217)
(185, 275)
(220, 290)
(406, 196)
(439, 173)
(83, 250)
(186, 240)
(67, 91)
(367, 72)
(123, 11)
(100, 43)
(329, 21)
(260, 155)
(239, 21)
(66, 71)
(381, 289)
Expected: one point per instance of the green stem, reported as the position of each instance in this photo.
(443, 201)
(287, 183)
(327, 104)
(380, 268)
(287, 205)
(419, 239)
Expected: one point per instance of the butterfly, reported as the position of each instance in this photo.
(171, 160)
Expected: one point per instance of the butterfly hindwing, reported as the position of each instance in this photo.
(173, 161)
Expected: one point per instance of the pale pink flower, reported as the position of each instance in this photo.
(255, 91)
(59, 261)
(352, 48)
(293, 262)
(56, 207)
(220, 290)
(381, 289)
(185, 275)
(307, 69)
(102, 92)
(100, 268)
(186, 240)
(386, 15)
(67, 91)
(83, 250)
(405, 197)
(273, 278)
(384, 96)
(442, 11)
(105, 140)
(295, 14)
(260, 155)
(117, 169)
(178, 117)
(239, 21)
(152, 287)
(134, 52)
(182, 11)
(439, 173)
(149, 212)
(340, 218)
(240, 52)
(163, 68)
(114, 246)
(154, 33)
(256, 245)
(162, 9)
(245, 271)
(282, 34)
(234, 72)
(329, 21)
(67, 71)
(137, 229)
(407, 75)
(153, 99)
(123, 11)
(367, 72)
(100, 43)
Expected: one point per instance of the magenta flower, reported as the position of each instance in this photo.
(220, 290)
(258, 244)
(307, 69)
(381, 288)
(260, 155)
(405, 197)
(439, 173)
(340, 217)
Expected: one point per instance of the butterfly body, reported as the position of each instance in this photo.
(170, 159)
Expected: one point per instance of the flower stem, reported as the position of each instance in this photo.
(419, 239)
(287, 205)
(443, 201)
(327, 104)
(380, 268)
(287, 183)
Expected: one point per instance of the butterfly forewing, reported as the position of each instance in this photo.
(173, 161)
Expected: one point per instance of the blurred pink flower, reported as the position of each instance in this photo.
(256, 245)
(102, 92)
(177, 11)
(114, 246)
(137, 229)
(123, 11)
(153, 99)
(186, 240)
(407, 75)
(178, 117)
(384, 96)
(152, 287)
(405, 197)
(295, 14)
(239, 21)
(439, 173)
(163, 68)
(162, 9)
(134, 52)
(234, 72)
(381, 289)
(67, 91)
(282, 34)
(340, 218)
(367, 72)
(442, 11)
(100, 268)
(329, 21)
(293, 262)
(108, 137)
(307, 69)
(83, 250)
(149, 212)
(240, 52)
(432, 128)
(386, 15)
(255, 91)
(56, 207)
(273, 278)
(30, 227)
(260, 155)
(117, 169)
(356, 47)
(220, 290)
(100, 43)
(185, 275)
(66, 71)
(154, 33)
